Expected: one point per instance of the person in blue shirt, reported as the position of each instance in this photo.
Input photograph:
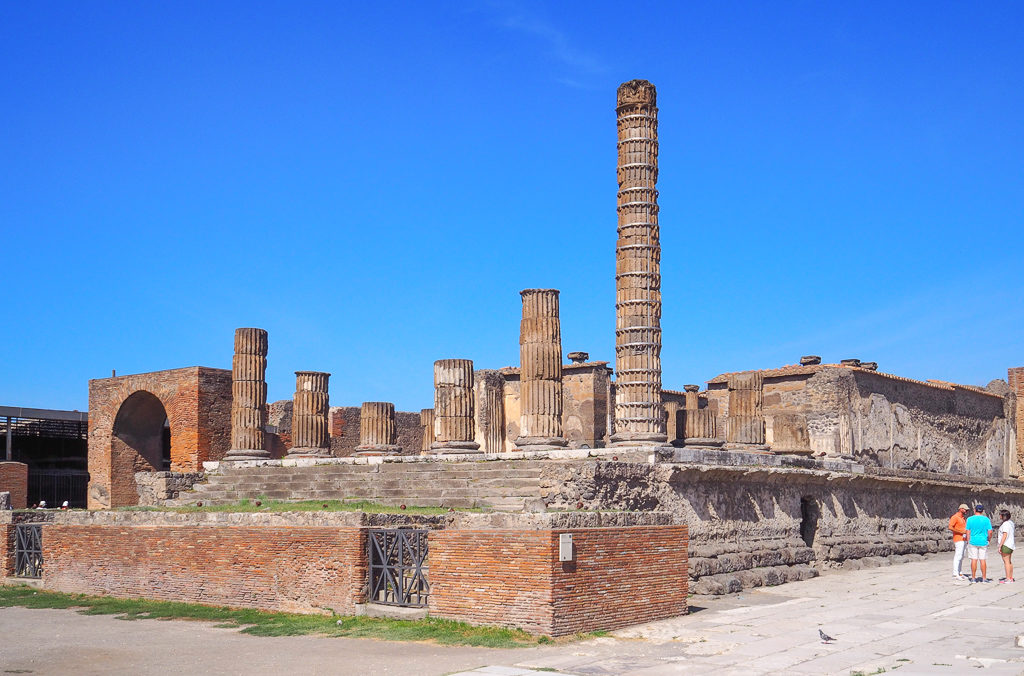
(979, 530)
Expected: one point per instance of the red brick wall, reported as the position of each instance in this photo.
(492, 577)
(14, 479)
(1016, 380)
(620, 576)
(293, 569)
(197, 401)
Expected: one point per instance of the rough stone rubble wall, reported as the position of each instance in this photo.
(748, 526)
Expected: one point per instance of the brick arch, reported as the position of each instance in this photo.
(197, 403)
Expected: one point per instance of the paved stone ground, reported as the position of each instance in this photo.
(911, 618)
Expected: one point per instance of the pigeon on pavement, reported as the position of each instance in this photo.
(825, 637)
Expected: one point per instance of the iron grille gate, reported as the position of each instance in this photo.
(28, 550)
(398, 568)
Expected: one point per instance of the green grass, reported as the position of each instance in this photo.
(304, 506)
(262, 623)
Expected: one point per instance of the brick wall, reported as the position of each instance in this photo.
(14, 479)
(6, 550)
(343, 423)
(197, 403)
(619, 577)
(293, 569)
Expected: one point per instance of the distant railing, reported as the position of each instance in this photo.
(57, 485)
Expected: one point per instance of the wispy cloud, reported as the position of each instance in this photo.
(578, 64)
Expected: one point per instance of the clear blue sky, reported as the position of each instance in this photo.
(374, 183)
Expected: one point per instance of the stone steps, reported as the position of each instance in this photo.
(496, 484)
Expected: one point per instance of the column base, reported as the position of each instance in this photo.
(698, 442)
(377, 449)
(309, 452)
(639, 439)
(441, 447)
(746, 448)
(540, 443)
(246, 454)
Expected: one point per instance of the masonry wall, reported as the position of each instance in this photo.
(6, 550)
(292, 569)
(752, 526)
(620, 576)
(1015, 378)
(343, 423)
(14, 479)
(197, 403)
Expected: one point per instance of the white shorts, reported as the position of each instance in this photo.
(977, 552)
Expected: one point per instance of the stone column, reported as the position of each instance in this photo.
(249, 396)
(639, 413)
(453, 407)
(378, 434)
(427, 423)
(745, 422)
(540, 356)
(310, 405)
(488, 394)
(699, 427)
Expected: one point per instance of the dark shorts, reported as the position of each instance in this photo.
(1005, 550)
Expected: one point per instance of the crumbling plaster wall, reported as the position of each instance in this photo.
(586, 404)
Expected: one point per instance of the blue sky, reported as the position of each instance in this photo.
(374, 183)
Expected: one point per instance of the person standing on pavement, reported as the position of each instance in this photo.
(958, 526)
(1006, 544)
(979, 530)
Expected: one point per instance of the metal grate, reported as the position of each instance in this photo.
(398, 567)
(28, 550)
(57, 485)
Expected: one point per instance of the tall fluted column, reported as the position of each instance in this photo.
(427, 423)
(378, 434)
(453, 407)
(745, 423)
(249, 396)
(310, 406)
(639, 413)
(540, 356)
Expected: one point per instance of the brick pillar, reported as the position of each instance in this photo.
(310, 405)
(745, 423)
(453, 407)
(540, 356)
(249, 396)
(14, 480)
(488, 394)
(639, 413)
(378, 434)
(427, 423)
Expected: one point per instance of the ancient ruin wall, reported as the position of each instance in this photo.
(1015, 378)
(344, 422)
(639, 413)
(586, 401)
(752, 526)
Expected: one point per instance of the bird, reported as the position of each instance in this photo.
(825, 637)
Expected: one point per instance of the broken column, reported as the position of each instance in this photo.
(453, 407)
(540, 356)
(489, 397)
(745, 422)
(699, 427)
(427, 424)
(639, 413)
(378, 434)
(310, 405)
(249, 396)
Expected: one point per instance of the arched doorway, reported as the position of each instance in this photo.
(141, 442)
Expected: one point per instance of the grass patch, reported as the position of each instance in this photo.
(304, 506)
(263, 623)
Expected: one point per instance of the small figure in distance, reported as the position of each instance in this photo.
(1006, 544)
(979, 530)
(958, 526)
(42, 504)
(65, 505)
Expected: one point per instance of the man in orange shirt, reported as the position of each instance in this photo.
(958, 525)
